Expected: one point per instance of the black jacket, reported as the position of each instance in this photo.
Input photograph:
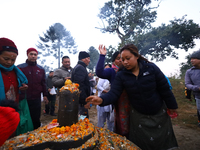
(80, 76)
(49, 83)
(146, 92)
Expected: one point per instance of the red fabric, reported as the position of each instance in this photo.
(7, 44)
(31, 49)
(9, 120)
(122, 115)
(115, 67)
(8, 79)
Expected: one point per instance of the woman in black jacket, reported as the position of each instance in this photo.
(150, 96)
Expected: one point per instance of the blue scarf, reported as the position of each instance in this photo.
(21, 78)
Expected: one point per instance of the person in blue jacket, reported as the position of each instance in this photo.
(149, 95)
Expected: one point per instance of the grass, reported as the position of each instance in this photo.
(187, 112)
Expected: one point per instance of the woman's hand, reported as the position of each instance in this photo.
(172, 113)
(95, 100)
(104, 91)
(23, 87)
(102, 49)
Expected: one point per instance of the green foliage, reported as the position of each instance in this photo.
(94, 56)
(184, 66)
(110, 51)
(161, 41)
(55, 38)
(127, 18)
(131, 20)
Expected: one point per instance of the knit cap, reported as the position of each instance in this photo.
(31, 49)
(196, 54)
(8, 45)
(83, 55)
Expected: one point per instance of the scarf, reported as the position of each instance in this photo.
(115, 67)
(21, 78)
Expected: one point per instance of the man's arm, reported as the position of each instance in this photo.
(58, 80)
(79, 77)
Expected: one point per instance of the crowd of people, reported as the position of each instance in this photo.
(132, 94)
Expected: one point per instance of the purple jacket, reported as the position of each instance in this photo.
(192, 80)
(108, 73)
(36, 80)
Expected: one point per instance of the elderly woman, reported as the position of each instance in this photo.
(11, 81)
(11, 78)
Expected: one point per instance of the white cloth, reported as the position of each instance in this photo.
(103, 84)
(106, 112)
(53, 91)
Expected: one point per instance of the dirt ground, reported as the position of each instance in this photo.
(188, 138)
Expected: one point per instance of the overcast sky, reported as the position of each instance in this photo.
(24, 20)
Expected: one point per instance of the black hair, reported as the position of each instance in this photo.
(9, 103)
(134, 50)
(115, 55)
(64, 57)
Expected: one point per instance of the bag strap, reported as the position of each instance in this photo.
(25, 96)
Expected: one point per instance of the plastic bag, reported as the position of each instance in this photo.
(11, 93)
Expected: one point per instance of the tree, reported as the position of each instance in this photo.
(132, 21)
(94, 56)
(161, 41)
(55, 38)
(110, 51)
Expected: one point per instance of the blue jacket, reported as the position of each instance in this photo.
(146, 92)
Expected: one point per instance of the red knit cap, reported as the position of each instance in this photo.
(9, 120)
(31, 49)
(8, 45)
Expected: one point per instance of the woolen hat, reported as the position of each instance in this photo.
(115, 55)
(9, 122)
(8, 45)
(196, 54)
(31, 49)
(83, 55)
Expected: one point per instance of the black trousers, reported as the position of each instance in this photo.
(51, 105)
(35, 111)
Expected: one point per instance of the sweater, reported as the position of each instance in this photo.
(59, 76)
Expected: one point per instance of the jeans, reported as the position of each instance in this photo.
(198, 107)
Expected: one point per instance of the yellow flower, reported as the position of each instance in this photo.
(68, 82)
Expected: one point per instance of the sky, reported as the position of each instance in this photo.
(24, 20)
